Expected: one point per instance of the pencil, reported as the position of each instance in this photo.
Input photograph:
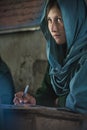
(25, 91)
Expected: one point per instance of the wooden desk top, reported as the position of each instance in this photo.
(50, 111)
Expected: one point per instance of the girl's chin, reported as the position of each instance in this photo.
(59, 42)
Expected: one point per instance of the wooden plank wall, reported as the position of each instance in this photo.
(19, 13)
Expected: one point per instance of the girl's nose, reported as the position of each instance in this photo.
(54, 27)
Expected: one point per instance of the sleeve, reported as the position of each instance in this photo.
(45, 95)
(7, 88)
(77, 97)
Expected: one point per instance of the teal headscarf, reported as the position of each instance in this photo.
(70, 76)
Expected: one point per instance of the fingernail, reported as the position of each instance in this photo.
(20, 101)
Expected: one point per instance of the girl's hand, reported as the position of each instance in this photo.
(27, 99)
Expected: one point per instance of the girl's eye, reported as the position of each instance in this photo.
(49, 20)
(59, 20)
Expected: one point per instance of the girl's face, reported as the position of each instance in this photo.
(55, 25)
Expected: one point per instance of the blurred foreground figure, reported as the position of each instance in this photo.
(6, 84)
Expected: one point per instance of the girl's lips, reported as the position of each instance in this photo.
(56, 36)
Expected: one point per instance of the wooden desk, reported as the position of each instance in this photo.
(39, 118)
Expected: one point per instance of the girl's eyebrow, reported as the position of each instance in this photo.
(56, 17)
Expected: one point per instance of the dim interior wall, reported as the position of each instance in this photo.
(25, 54)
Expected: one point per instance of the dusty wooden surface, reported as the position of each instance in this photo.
(25, 117)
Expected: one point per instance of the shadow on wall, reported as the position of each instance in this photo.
(39, 68)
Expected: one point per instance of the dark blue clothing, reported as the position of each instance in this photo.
(6, 84)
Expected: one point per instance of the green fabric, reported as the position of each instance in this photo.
(62, 101)
(45, 95)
